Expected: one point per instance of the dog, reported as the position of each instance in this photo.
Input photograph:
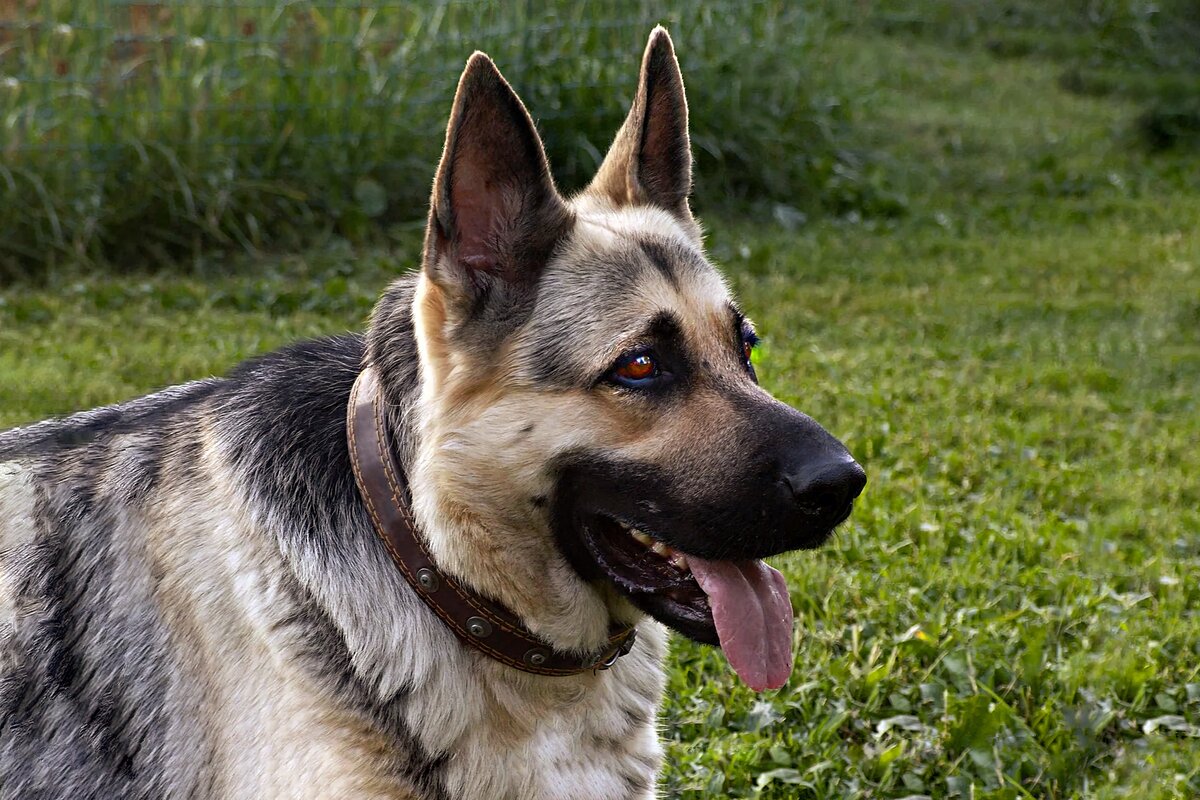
(230, 588)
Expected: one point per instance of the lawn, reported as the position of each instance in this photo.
(1013, 610)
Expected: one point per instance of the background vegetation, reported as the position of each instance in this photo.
(139, 132)
(990, 290)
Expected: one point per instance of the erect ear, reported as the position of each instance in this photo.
(650, 160)
(495, 216)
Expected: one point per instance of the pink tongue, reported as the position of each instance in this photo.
(753, 613)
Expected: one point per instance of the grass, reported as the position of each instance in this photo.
(1144, 51)
(152, 133)
(1013, 610)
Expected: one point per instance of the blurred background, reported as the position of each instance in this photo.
(137, 133)
(967, 229)
(149, 132)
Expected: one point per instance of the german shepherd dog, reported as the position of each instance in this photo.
(195, 599)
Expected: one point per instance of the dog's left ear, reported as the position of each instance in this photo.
(495, 215)
(650, 161)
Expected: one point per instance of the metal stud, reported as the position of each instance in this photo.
(536, 657)
(428, 579)
(479, 627)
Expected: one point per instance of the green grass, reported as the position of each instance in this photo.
(138, 133)
(1145, 51)
(1132, 34)
(1013, 611)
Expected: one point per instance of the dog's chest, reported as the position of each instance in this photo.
(572, 739)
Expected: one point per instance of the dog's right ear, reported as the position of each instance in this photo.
(495, 216)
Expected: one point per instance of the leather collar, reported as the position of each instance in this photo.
(479, 622)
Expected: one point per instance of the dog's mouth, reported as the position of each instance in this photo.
(741, 605)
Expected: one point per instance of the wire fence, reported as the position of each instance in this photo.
(135, 130)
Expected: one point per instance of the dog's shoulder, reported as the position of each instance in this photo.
(281, 427)
(119, 523)
(276, 423)
(293, 395)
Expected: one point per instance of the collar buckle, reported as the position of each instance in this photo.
(623, 649)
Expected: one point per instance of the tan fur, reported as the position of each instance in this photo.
(263, 713)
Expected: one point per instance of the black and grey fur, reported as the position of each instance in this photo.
(193, 603)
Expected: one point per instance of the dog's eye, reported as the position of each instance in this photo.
(749, 342)
(636, 370)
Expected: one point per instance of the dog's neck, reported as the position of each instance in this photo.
(484, 520)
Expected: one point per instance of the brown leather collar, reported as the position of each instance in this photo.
(483, 624)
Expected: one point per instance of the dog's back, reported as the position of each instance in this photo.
(84, 648)
(130, 574)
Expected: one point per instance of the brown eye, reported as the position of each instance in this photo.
(639, 367)
(749, 340)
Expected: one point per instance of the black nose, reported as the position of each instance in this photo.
(824, 491)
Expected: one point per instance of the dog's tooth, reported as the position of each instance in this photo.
(680, 561)
(660, 548)
(641, 537)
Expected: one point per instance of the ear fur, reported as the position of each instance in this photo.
(495, 214)
(650, 160)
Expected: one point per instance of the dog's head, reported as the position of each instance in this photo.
(593, 436)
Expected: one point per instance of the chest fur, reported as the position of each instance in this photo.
(523, 737)
(431, 719)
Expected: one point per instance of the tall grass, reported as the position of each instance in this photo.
(154, 131)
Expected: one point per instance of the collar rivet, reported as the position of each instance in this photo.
(428, 579)
(535, 657)
(478, 627)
